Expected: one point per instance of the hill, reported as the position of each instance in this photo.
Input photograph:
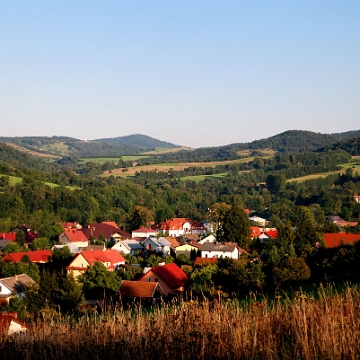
(351, 146)
(137, 140)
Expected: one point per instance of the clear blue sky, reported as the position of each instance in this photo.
(195, 73)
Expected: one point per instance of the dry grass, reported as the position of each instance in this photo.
(302, 328)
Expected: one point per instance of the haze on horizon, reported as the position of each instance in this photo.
(203, 73)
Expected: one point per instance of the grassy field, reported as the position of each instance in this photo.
(174, 166)
(59, 148)
(165, 150)
(99, 161)
(326, 326)
(198, 178)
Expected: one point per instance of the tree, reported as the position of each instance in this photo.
(275, 183)
(139, 216)
(98, 282)
(20, 238)
(295, 269)
(217, 214)
(203, 280)
(236, 226)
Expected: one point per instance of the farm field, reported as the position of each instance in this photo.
(174, 166)
(198, 178)
(165, 150)
(103, 160)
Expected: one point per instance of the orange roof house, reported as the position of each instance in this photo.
(138, 290)
(75, 237)
(272, 234)
(170, 277)
(335, 240)
(255, 231)
(181, 226)
(110, 258)
(10, 324)
(108, 230)
(8, 236)
(37, 256)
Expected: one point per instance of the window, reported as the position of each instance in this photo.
(156, 279)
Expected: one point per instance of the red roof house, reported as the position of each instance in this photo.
(8, 236)
(335, 240)
(10, 324)
(273, 234)
(171, 278)
(37, 256)
(75, 237)
(255, 231)
(107, 230)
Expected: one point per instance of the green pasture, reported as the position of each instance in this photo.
(99, 160)
(198, 178)
(13, 180)
(134, 157)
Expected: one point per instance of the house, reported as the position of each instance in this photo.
(335, 240)
(13, 285)
(227, 250)
(171, 278)
(256, 220)
(189, 250)
(73, 248)
(141, 291)
(82, 261)
(109, 230)
(210, 239)
(37, 256)
(128, 247)
(255, 232)
(181, 226)
(161, 245)
(11, 325)
(74, 237)
(71, 226)
(143, 232)
(337, 220)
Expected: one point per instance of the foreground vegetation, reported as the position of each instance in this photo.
(325, 326)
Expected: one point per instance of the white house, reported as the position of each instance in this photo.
(13, 285)
(258, 220)
(160, 245)
(128, 247)
(210, 250)
(209, 239)
(143, 232)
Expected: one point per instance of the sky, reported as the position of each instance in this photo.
(194, 73)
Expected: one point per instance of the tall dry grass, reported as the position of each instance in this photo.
(327, 327)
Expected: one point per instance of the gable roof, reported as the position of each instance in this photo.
(173, 242)
(141, 289)
(171, 274)
(144, 230)
(335, 240)
(17, 283)
(218, 247)
(37, 256)
(178, 223)
(75, 236)
(95, 229)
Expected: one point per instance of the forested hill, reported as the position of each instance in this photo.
(291, 141)
(137, 140)
(351, 146)
(66, 146)
(19, 159)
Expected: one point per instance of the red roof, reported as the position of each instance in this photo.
(247, 211)
(141, 289)
(75, 235)
(255, 231)
(273, 234)
(171, 274)
(95, 229)
(144, 230)
(111, 256)
(6, 319)
(335, 240)
(178, 223)
(8, 236)
(205, 261)
(37, 256)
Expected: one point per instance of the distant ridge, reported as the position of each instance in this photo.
(137, 140)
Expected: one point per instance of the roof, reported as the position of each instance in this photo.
(273, 234)
(75, 236)
(144, 230)
(171, 274)
(37, 256)
(6, 319)
(17, 283)
(255, 231)
(106, 229)
(4, 243)
(111, 256)
(132, 245)
(196, 244)
(8, 236)
(178, 223)
(158, 242)
(335, 240)
(173, 242)
(73, 248)
(199, 261)
(218, 247)
(247, 211)
(141, 289)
